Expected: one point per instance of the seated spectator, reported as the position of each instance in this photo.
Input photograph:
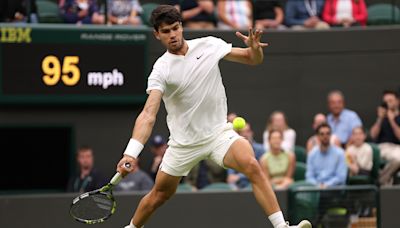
(278, 121)
(204, 173)
(268, 14)
(158, 146)
(386, 132)
(137, 180)
(278, 165)
(236, 179)
(326, 163)
(233, 14)
(345, 13)
(17, 11)
(196, 14)
(124, 12)
(359, 155)
(341, 120)
(87, 178)
(313, 140)
(305, 14)
(80, 12)
(231, 116)
(248, 134)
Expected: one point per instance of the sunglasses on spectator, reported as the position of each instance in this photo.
(324, 133)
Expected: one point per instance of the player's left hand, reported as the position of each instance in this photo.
(253, 39)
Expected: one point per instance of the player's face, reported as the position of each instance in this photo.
(171, 36)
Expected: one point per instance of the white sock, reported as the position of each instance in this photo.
(277, 219)
(133, 226)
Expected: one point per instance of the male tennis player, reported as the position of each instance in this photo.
(188, 79)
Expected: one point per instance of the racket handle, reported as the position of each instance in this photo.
(118, 176)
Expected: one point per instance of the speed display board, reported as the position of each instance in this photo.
(72, 65)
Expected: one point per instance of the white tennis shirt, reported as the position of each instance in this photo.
(193, 93)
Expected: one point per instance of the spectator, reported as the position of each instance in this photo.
(359, 155)
(341, 120)
(235, 14)
(326, 164)
(137, 180)
(204, 173)
(278, 121)
(248, 134)
(80, 12)
(18, 10)
(305, 14)
(314, 140)
(345, 13)
(268, 14)
(278, 165)
(158, 146)
(386, 132)
(88, 178)
(196, 14)
(124, 12)
(231, 116)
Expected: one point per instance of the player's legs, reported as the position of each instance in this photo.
(164, 187)
(240, 157)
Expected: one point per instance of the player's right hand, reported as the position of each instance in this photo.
(121, 165)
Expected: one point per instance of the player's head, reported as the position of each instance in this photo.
(324, 134)
(84, 157)
(167, 24)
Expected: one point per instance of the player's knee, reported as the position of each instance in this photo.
(253, 169)
(161, 197)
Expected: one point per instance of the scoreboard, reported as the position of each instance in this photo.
(68, 64)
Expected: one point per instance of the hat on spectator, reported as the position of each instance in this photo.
(157, 141)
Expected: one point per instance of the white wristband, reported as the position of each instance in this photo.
(134, 148)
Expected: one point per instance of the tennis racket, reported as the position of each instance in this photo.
(98, 205)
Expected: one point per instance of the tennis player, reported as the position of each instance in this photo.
(188, 79)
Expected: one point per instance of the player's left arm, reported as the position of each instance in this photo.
(253, 54)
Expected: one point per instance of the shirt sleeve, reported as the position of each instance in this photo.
(222, 48)
(156, 79)
(356, 122)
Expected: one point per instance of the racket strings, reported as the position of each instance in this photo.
(93, 207)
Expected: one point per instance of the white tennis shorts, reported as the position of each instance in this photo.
(178, 161)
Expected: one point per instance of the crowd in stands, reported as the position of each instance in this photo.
(202, 14)
(336, 153)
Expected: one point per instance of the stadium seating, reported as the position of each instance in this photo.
(48, 12)
(301, 154)
(147, 9)
(219, 186)
(383, 14)
(300, 171)
(184, 187)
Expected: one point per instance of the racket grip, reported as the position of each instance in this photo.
(116, 179)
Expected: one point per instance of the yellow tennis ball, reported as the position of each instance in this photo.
(239, 123)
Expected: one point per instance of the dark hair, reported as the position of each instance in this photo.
(392, 92)
(165, 14)
(84, 148)
(323, 125)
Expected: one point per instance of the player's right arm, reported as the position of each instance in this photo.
(143, 125)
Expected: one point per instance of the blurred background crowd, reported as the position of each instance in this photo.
(208, 14)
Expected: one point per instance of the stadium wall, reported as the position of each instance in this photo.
(184, 210)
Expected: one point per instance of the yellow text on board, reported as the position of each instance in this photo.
(15, 35)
